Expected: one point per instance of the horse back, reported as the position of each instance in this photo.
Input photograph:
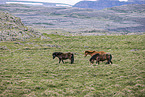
(96, 52)
(57, 53)
(101, 57)
(100, 52)
(66, 55)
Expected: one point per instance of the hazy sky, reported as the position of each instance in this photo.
(71, 2)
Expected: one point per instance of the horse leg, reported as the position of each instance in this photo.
(72, 58)
(97, 62)
(107, 62)
(59, 60)
(62, 61)
(71, 61)
(110, 59)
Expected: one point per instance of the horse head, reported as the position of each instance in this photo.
(93, 58)
(86, 53)
(92, 61)
(56, 54)
(89, 52)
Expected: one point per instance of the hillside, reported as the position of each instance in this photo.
(11, 28)
(102, 4)
(124, 19)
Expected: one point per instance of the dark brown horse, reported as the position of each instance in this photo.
(63, 56)
(94, 52)
(101, 57)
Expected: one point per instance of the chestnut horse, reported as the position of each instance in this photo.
(101, 57)
(94, 52)
(63, 56)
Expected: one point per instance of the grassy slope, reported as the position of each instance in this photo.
(27, 68)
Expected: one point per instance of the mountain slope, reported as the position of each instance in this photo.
(11, 28)
(123, 19)
(102, 4)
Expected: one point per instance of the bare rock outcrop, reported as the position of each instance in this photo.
(11, 28)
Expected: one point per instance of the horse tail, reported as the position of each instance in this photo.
(72, 58)
(110, 58)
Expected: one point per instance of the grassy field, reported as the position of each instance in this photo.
(27, 67)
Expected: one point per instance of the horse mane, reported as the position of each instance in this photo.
(57, 53)
(90, 51)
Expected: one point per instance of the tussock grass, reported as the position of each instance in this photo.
(33, 72)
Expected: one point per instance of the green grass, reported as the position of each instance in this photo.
(27, 69)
